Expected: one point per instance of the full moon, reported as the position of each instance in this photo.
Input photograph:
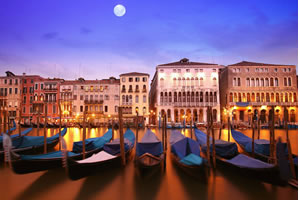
(119, 10)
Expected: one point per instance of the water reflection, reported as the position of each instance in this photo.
(125, 183)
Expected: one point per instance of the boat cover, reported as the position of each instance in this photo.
(93, 143)
(98, 157)
(30, 141)
(223, 148)
(53, 155)
(11, 129)
(149, 144)
(114, 146)
(183, 147)
(23, 133)
(244, 161)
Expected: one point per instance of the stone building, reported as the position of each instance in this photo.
(251, 89)
(10, 94)
(134, 90)
(184, 89)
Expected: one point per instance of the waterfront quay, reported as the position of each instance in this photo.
(125, 183)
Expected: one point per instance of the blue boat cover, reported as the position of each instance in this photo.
(55, 154)
(223, 148)
(149, 144)
(296, 161)
(242, 104)
(93, 143)
(114, 146)
(182, 147)
(192, 159)
(261, 146)
(31, 141)
(244, 161)
(15, 136)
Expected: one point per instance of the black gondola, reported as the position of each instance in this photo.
(149, 154)
(228, 157)
(185, 153)
(22, 164)
(106, 159)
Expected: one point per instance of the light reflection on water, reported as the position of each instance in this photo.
(126, 184)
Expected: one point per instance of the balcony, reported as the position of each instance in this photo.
(137, 91)
(123, 90)
(93, 101)
(130, 90)
(266, 103)
(50, 89)
(189, 104)
(126, 103)
(144, 91)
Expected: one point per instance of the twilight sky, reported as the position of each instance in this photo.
(83, 38)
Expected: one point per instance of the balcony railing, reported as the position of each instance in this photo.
(188, 104)
(130, 90)
(137, 91)
(144, 90)
(50, 89)
(267, 103)
(93, 101)
(123, 91)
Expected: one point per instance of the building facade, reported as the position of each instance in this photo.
(134, 89)
(251, 89)
(183, 90)
(10, 94)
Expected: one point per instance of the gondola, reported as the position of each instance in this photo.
(185, 154)
(23, 164)
(34, 144)
(228, 158)
(108, 158)
(15, 138)
(149, 154)
(25, 125)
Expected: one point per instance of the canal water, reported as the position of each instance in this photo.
(125, 183)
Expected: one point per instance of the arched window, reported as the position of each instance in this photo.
(175, 96)
(257, 82)
(196, 81)
(161, 81)
(267, 97)
(267, 82)
(235, 97)
(230, 97)
(123, 99)
(137, 99)
(291, 97)
(252, 82)
(253, 97)
(240, 97)
(201, 96)
(206, 96)
(272, 97)
(166, 97)
(201, 81)
(193, 97)
(295, 97)
(183, 82)
(188, 83)
(130, 99)
(248, 82)
(276, 82)
(271, 82)
(257, 97)
(211, 98)
(277, 97)
(215, 96)
(214, 81)
(179, 81)
(234, 82)
(238, 82)
(197, 96)
(179, 97)
(285, 81)
(183, 97)
(192, 82)
(161, 97)
(248, 97)
(170, 97)
(262, 82)
(262, 97)
(286, 97)
(281, 97)
(174, 82)
(290, 81)
(188, 97)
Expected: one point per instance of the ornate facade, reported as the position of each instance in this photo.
(250, 88)
(184, 90)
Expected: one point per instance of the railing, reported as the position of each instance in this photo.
(267, 103)
(137, 91)
(93, 101)
(50, 89)
(189, 104)
(123, 91)
(130, 91)
(144, 90)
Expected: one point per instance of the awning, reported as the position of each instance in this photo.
(242, 104)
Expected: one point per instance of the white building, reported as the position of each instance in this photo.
(184, 90)
(134, 94)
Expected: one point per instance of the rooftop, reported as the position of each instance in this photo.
(247, 63)
(134, 74)
(184, 62)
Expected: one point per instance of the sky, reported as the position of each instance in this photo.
(84, 38)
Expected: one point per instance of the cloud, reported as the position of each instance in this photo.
(85, 30)
(50, 35)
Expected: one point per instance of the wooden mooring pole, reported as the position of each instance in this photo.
(45, 125)
(122, 146)
(207, 137)
(213, 139)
